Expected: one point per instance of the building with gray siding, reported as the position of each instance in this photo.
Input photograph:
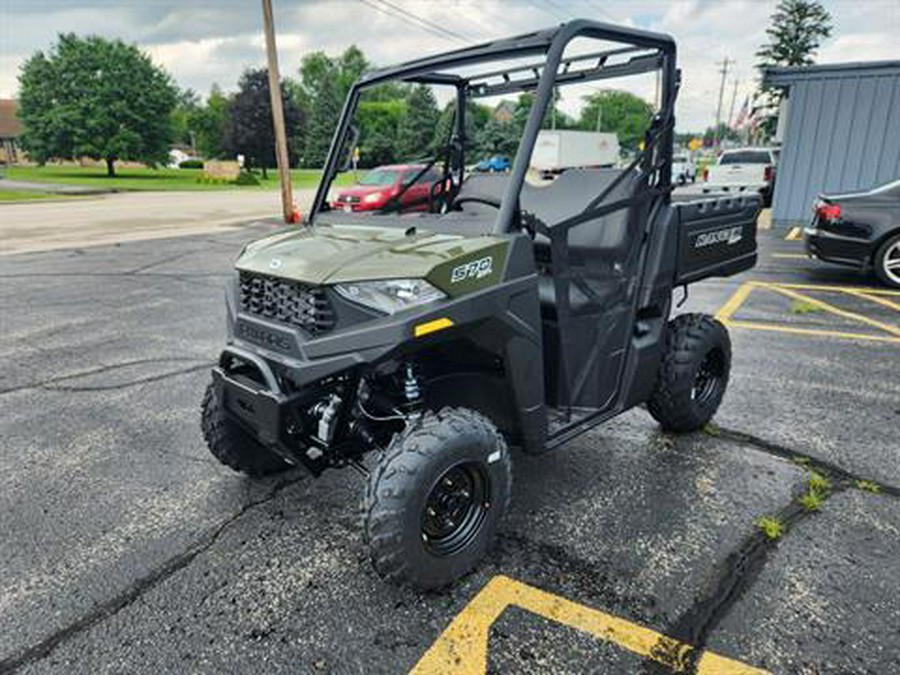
(840, 132)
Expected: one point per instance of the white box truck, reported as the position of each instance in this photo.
(558, 150)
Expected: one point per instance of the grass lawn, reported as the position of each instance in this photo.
(154, 179)
(24, 195)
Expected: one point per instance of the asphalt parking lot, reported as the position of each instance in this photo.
(127, 548)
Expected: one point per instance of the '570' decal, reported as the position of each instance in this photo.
(477, 269)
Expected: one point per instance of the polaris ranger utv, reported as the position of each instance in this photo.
(418, 344)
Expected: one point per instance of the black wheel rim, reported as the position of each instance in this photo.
(455, 509)
(708, 377)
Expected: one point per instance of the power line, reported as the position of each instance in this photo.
(543, 7)
(425, 22)
(418, 22)
(563, 13)
(596, 6)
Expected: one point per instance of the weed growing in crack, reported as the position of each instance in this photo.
(819, 484)
(801, 460)
(811, 500)
(770, 526)
(868, 486)
(803, 307)
(712, 430)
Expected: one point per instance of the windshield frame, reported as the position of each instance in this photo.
(551, 44)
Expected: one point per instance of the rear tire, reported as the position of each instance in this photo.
(231, 444)
(887, 262)
(433, 503)
(693, 374)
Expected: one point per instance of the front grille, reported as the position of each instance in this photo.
(285, 301)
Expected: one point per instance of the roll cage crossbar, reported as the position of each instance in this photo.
(643, 52)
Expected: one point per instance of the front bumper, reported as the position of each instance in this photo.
(260, 408)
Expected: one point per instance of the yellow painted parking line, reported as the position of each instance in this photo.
(831, 309)
(815, 332)
(874, 298)
(735, 301)
(800, 256)
(823, 287)
(875, 295)
(463, 646)
(794, 234)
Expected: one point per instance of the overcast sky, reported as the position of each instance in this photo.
(205, 41)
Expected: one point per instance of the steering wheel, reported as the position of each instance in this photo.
(438, 195)
(487, 201)
(490, 201)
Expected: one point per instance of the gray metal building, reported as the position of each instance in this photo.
(840, 132)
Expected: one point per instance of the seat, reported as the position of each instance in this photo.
(595, 240)
(599, 247)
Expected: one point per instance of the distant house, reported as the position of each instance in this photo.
(504, 111)
(10, 130)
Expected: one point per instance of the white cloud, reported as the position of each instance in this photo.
(860, 47)
(206, 41)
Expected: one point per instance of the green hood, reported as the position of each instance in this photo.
(344, 253)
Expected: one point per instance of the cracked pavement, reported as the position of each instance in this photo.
(127, 548)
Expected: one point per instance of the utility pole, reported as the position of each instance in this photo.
(733, 97)
(281, 151)
(724, 72)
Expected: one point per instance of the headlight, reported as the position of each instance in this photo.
(372, 198)
(391, 295)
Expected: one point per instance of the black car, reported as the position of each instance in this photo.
(860, 229)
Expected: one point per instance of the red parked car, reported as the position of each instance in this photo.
(381, 184)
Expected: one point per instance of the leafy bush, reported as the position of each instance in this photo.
(204, 179)
(246, 178)
(191, 164)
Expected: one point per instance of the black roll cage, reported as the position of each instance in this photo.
(646, 52)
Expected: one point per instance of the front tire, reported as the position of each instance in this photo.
(693, 374)
(887, 262)
(433, 504)
(231, 444)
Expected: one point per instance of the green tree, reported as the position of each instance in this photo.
(250, 130)
(619, 112)
(379, 124)
(92, 97)
(350, 67)
(553, 116)
(324, 82)
(497, 138)
(477, 116)
(324, 111)
(416, 129)
(208, 124)
(796, 30)
(186, 108)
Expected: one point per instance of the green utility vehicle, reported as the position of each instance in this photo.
(418, 345)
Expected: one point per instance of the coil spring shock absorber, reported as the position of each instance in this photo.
(411, 386)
